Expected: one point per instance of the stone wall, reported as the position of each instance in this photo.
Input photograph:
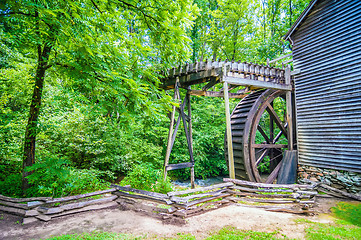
(343, 180)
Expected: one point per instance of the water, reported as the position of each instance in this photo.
(199, 182)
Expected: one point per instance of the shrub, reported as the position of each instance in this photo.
(54, 177)
(144, 176)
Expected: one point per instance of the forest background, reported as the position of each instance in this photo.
(79, 100)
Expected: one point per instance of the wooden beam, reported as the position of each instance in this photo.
(289, 117)
(202, 189)
(229, 128)
(188, 98)
(215, 94)
(257, 83)
(192, 78)
(209, 85)
(280, 58)
(269, 145)
(171, 135)
(179, 166)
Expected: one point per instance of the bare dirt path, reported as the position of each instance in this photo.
(136, 223)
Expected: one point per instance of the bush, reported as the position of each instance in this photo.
(54, 177)
(145, 177)
(11, 185)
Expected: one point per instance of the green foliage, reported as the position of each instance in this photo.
(11, 185)
(54, 177)
(349, 212)
(230, 233)
(347, 224)
(144, 176)
(95, 236)
(319, 231)
(101, 106)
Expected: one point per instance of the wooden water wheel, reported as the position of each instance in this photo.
(259, 135)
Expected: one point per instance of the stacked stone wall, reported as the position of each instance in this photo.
(343, 180)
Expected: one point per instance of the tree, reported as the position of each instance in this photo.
(109, 51)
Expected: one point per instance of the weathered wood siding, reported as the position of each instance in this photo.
(327, 50)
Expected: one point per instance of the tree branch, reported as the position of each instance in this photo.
(19, 13)
(145, 15)
(96, 6)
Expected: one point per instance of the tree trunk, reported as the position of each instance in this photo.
(31, 128)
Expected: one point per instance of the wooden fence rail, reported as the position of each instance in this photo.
(178, 203)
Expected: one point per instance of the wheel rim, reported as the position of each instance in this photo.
(270, 151)
(249, 153)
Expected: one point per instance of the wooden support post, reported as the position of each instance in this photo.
(289, 109)
(188, 99)
(169, 145)
(228, 124)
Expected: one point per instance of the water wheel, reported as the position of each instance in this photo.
(259, 134)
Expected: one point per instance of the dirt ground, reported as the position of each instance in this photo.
(137, 223)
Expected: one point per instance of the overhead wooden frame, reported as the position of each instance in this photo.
(231, 75)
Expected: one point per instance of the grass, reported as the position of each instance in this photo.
(227, 233)
(95, 236)
(329, 232)
(231, 233)
(348, 226)
(349, 212)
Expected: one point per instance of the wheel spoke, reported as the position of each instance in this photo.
(274, 173)
(276, 119)
(263, 134)
(278, 135)
(259, 160)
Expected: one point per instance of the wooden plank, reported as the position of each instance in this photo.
(87, 208)
(192, 78)
(280, 58)
(257, 195)
(207, 199)
(186, 130)
(43, 217)
(31, 213)
(201, 195)
(274, 201)
(188, 98)
(269, 145)
(16, 211)
(202, 189)
(149, 198)
(216, 94)
(34, 204)
(203, 208)
(264, 185)
(256, 83)
(179, 166)
(28, 220)
(261, 190)
(19, 200)
(12, 204)
(229, 131)
(274, 173)
(70, 198)
(210, 84)
(143, 192)
(71, 206)
(171, 134)
(343, 193)
(289, 117)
